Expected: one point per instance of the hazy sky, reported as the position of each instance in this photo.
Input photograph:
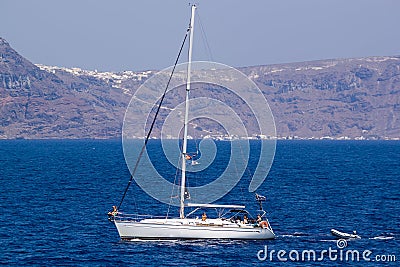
(119, 35)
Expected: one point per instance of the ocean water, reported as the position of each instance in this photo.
(55, 194)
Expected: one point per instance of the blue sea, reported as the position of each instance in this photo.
(55, 195)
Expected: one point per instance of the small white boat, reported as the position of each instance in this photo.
(343, 235)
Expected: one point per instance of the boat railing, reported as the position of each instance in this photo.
(134, 217)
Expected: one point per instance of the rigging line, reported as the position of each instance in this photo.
(203, 33)
(196, 143)
(173, 187)
(240, 182)
(145, 102)
(247, 169)
(154, 120)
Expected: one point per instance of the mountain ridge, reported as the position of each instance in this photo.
(325, 99)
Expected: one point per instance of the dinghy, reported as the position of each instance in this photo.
(343, 235)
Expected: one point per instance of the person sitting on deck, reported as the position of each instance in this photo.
(245, 219)
(238, 219)
(259, 218)
(114, 212)
(204, 216)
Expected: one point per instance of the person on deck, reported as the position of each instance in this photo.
(114, 212)
(238, 219)
(245, 219)
(204, 217)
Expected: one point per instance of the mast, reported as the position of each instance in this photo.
(185, 126)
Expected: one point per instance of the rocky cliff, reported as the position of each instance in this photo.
(344, 98)
(355, 98)
(35, 103)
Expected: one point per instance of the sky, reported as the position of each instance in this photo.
(117, 35)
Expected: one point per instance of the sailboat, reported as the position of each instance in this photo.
(235, 223)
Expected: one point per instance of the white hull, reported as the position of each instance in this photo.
(344, 235)
(185, 228)
(190, 229)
